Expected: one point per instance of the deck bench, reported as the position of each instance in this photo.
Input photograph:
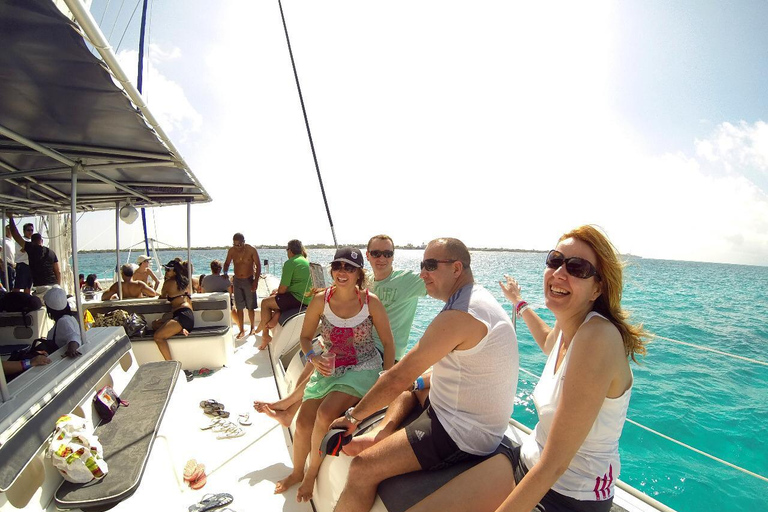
(36, 409)
(209, 344)
(127, 439)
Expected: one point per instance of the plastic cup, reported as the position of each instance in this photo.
(329, 361)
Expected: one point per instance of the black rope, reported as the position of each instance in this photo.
(306, 122)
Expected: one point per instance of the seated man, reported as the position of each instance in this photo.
(12, 369)
(465, 405)
(216, 282)
(131, 289)
(295, 283)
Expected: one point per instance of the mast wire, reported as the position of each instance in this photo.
(306, 122)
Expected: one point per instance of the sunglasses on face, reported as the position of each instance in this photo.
(379, 254)
(340, 265)
(430, 265)
(577, 267)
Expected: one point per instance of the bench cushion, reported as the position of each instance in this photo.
(290, 313)
(127, 439)
(197, 332)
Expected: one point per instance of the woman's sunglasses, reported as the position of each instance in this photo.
(379, 254)
(340, 265)
(430, 265)
(577, 267)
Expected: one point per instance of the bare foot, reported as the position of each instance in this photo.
(306, 488)
(285, 418)
(360, 443)
(258, 328)
(265, 339)
(288, 482)
(240, 335)
(252, 333)
(273, 322)
(185, 332)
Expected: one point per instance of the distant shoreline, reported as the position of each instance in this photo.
(318, 246)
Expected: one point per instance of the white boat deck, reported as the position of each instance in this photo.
(246, 467)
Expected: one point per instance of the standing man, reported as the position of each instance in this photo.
(467, 402)
(23, 272)
(246, 280)
(398, 290)
(8, 260)
(43, 262)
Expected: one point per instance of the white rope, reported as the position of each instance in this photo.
(749, 359)
(721, 461)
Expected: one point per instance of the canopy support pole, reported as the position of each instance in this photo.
(73, 221)
(4, 394)
(118, 274)
(189, 245)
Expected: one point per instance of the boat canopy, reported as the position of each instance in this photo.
(64, 107)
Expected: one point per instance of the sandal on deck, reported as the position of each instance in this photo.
(244, 419)
(231, 433)
(220, 413)
(211, 502)
(211, 404)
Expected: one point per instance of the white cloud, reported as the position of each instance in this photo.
(166, 99)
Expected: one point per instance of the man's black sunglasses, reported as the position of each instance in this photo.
(339, 265)
(430, 265)
(577, 267)
(379, 254)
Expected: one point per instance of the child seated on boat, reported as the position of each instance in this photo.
(346, 314)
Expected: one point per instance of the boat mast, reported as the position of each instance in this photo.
(306, 122)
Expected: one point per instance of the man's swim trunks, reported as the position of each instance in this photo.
(244, 297)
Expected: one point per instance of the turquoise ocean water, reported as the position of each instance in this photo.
(714, 403)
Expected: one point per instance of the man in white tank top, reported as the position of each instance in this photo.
(465, 403)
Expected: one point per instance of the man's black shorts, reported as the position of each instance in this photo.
(432, 445)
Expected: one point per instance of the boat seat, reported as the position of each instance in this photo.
(81, 377)
(286, 315)
(196, 332)
(127, 439)
(154, 307)
(401, 492)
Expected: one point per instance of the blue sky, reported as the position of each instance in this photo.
(500, 123)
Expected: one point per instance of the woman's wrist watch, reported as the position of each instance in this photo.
(348, 416)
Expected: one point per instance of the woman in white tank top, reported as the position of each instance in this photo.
(571, 460)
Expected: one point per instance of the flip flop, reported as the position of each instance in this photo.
(217, 412)
(244, 419)
(333, 441)
(211, 501)
(190, 468)
(199, 483)
(231, 433)
(211, 404)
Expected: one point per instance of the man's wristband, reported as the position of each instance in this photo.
(418, 384)
(26, 364)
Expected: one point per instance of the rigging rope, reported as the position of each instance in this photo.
(721, 461)
(749, 359)
(306, 122)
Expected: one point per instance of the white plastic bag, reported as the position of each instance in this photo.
(75, 452)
